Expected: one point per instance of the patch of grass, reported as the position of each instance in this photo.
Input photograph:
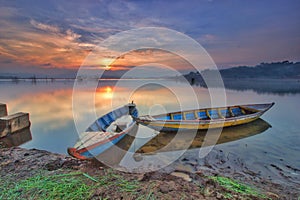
(62, 186)
(228, 196)
(201, 188)
(237, 187)
(112, 179)
(149, 194)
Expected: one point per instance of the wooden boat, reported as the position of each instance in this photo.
(205, 118)
(166, 141)
(105, 132)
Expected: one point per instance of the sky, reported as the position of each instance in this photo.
(54, 37)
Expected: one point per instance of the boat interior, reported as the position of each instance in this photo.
(207, 114)
(104, 122)
(90, 137)
(120, 124)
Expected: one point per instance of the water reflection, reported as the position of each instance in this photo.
(116, 153)
(17, 138)
(50, 106)
(260, 86)
(161, 142)
(279, 87)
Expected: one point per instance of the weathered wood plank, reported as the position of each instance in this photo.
(13, 123)
(3, 110)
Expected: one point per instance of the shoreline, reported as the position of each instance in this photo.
(19, 164)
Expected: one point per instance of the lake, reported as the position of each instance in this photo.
(271, 148)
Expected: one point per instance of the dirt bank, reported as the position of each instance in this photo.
(19, 164)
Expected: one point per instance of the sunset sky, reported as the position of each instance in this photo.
(54, 37)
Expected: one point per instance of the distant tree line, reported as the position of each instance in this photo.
(275, 70)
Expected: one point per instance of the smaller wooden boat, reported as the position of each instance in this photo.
(105, 132)
(205, 118)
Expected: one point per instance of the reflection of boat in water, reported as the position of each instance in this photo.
(16, 138)
(205, 118)
(114, 155)
(105, 132)
(162, 142)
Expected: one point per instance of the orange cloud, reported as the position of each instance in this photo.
(42, 44)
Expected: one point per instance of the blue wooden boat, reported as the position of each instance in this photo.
(205, 118)
(105, 132)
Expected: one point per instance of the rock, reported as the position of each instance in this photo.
(148, 149)
(208, 191)
(199, 172)
(182, 175)
(140, 177)
(184, 168)
(193, 163)
(185, 160)
(172, 185)
(51, 166)
(272, 195)
(138, 157)
(219, 195)
(164, 188)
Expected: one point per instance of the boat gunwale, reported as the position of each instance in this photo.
(92, 146)
(77, 152)
(216, 120)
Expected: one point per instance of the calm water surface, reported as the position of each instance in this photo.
(275, 145)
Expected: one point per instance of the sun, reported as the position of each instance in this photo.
(108, 89)
(108, 93)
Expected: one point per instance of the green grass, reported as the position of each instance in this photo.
(237, 187)
(228, 196)
(149, 194)
(116, 180)
(64, 186)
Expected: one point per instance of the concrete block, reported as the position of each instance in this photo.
(13, 123)
(17, 138)
(3, 110)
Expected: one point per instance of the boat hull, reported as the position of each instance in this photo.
(98, 148)
(198, 124)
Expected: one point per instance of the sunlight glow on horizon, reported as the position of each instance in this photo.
(107, 63)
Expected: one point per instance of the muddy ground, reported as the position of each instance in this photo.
(18, 164)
